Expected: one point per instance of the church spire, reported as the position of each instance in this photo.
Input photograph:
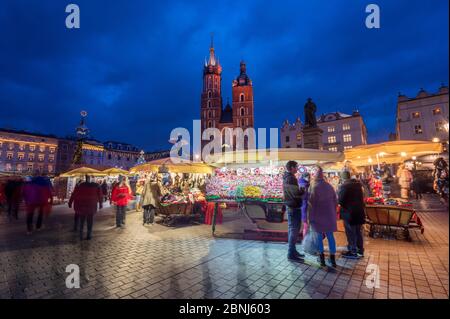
(212, 56)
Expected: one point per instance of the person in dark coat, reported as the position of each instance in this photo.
(13, 194)
(418, 186)
(37, 196)
(293, 201)
(86, 198)
(104, 188)
(351, 200)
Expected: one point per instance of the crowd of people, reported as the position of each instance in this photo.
(314, 203)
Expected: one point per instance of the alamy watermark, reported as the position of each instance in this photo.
(73, 19)
(373, 19)
(73, 279)
(212, 143)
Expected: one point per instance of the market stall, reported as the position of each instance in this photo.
(254, 180)
(66, 182)
(182, 188)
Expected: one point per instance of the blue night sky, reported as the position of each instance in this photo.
(136, 66)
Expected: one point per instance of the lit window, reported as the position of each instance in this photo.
(331, 129)
(19, 167)
(437, 111)
(346, 127)
(51, 158)
(439, 126)
(11, 146)
(331, 139)
(30, 167)
(41, 148)
(347, 138)
(32, 148)
(418, 129)
(9, 155)
(52, 150)
(21, 147)
(21, 156)
(41, 158)
(416, 115)
(8, 167)
(299, 137)
(347, 147)
(332, 149)
(50, 168)
(41, 168)
(31, 157)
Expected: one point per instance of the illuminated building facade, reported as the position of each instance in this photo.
(424, 117)
(26, 153)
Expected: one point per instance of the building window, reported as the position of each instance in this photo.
(347, 138)
(299, 136)
(41, 148)
(347, 147)
(242, 111)
(241, 97)
(52, 150)
(346, 127)
(331, 139)
(19, 167)
(331, 129)
(209, 104)
(287, 139)
(51, 158)
(30, 167)
(41, 168)
(418, 129)
(439, 126)
(32, 148)
(9, 155)
(11, 146)
(209, 114)
(416, 115)
(50, 168)
(242, 122)
(209, 124)
(41, 157)
(31, 157)
(437, 111)
(333, 149)
(21, 147)
(21, 156)
(8, 167)
(209, 94)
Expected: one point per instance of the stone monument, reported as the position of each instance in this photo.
(312, 134)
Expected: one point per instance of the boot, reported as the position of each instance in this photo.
(322, 260)
(333, 261)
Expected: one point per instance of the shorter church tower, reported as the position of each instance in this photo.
(242, 100)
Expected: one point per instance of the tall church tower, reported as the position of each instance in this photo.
(242, 100)
(211, 97)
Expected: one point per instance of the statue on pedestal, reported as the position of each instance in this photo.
(310, 114)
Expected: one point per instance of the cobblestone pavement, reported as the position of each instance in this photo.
(160, 262)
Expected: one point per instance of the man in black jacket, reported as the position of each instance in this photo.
(351, 200)
(293, 201)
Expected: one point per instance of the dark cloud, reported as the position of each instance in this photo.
(136, 66)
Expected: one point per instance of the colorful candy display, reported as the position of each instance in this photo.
(265, 183)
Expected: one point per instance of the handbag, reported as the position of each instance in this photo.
(310, 242)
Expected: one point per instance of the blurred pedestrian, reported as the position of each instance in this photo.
(33, 202)
(86, 198)
(13, 194)
(120, 197)
(150, 200)
(351, 200)
(104, 189)
(405, 179)
(139, 191)
(322, 207)
(418, 186)
(304, 183)
(293, 201)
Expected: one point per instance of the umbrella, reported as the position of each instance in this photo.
(115, 171)
(83, 171)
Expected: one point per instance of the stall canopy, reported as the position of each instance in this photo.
(303, 155)
(390, 152)
(185, 167)
(115, 171)
(83, 171)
